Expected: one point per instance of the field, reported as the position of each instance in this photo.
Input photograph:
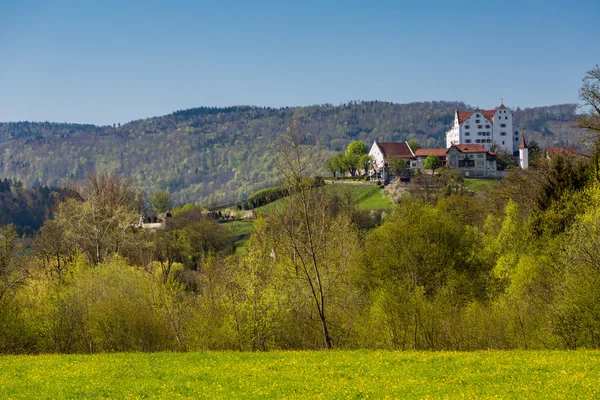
(480, 185)
(333, 374)
(240, 230)
(366, 197)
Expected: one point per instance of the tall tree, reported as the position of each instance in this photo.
(308, 248)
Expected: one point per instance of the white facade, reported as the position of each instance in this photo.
(485, 127)
(523, 154)
(378, 159)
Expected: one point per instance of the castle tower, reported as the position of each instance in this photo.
(523, 154)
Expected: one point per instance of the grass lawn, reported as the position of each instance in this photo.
(366, 197)
(480, 185)
(309, 374)
(241, 230)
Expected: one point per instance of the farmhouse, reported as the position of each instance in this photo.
(472, 160)
(492, 129)
(383, 153)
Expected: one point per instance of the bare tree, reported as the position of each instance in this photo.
(590, 95)
(305, 227)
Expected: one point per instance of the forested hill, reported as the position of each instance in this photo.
(216, 155)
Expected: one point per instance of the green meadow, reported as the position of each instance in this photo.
(304, 374)
(480, 185)
(365, 197)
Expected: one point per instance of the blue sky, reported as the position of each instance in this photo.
(109, 61)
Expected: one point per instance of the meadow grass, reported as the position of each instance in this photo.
(365, 197)
(307, 374)
(480, 185)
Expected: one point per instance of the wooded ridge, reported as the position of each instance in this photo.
(220, 155)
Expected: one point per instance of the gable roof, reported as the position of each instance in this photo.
(463, 115)
(470, 148)
(435, 152)
(523, 144)
(487, 114)
(401, 149)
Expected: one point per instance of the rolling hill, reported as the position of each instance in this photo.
(218, 155)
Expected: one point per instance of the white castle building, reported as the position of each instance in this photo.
(485, 127)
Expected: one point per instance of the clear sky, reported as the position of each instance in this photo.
(111, 61)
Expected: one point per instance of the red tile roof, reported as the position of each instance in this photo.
(435, 152)
(470, 148)
(554, 151)
(489, 114)
(464, 115)
(401, 150)
(523, 144)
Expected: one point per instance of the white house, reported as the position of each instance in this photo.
(485, 127)
(382, 153)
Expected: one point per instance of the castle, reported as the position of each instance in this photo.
(493, 129)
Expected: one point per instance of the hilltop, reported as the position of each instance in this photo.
(217, 155)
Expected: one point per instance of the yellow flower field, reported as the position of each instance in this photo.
(326, 375)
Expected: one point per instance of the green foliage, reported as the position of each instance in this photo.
(357, 148)
(397, 165)
(432, 162)
(414, 144)
(161, 201)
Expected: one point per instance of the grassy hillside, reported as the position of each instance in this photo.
(480, 185)
(220, 155)
(331, 375)
(365, 197)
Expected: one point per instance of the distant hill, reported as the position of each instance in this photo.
(216, 155)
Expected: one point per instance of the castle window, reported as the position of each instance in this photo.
(489, 140)
(479, 126)
(487, 126)
(479, 155)
(467, 134)
(478, 141)
(467, 126)
(502, 133)
(468, 141)
(502, 125)
(477, 121)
